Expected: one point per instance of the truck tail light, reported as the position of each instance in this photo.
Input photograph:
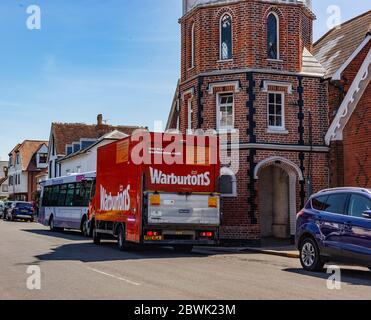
(155, 200)
(213, 202)
(153, 233)
(206, 234)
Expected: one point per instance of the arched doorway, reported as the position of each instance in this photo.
(277, 182)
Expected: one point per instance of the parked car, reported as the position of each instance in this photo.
(20, 210)
(2, 205)
(335, 226)
(7, 205)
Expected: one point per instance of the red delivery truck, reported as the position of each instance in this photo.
(158, 188)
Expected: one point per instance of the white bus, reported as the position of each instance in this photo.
(64, 201)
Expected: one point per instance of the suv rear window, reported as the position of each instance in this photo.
(23, 205)
(319, 203)
(335, 203)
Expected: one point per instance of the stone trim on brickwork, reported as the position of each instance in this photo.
(234, 85)
(268, 83)
(350, 101)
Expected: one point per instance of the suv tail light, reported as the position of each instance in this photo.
(300, 214)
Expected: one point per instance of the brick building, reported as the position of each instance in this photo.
(248, 66)
(27, 162)
(345, 52)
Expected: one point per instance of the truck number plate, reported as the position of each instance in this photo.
(153, 238)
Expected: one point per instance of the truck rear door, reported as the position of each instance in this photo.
(183, 209)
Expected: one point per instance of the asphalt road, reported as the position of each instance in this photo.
(74, 268)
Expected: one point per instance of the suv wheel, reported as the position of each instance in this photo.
(310, 257)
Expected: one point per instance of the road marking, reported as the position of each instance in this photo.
(115, 277)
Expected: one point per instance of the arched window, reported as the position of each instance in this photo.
(227, 183)
(226, 37)
(193, 39)
(273, 36)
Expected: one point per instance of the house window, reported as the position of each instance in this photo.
(4, 188)
(190, 114)
(272, 36)
(225, 111)
(43, 158)
(227, 183)
(193, 39)
(226, 37)
(17, 158)
(276, 115)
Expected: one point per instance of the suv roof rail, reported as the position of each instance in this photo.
(347, 188)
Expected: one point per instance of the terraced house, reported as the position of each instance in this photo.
(248, 65)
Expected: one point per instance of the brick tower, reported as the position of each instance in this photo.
(247, 66)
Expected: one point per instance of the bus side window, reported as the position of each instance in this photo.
(46, 197)
(87, 192)
(93, 186)
(62, 195)
(70, 195)
(54, 196)
(78, 200)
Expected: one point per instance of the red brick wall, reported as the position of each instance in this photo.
(357, 145)
(350, 159)
(249, 37)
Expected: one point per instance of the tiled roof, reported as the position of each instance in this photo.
(26, 151)
(67, 133)
(336, 46)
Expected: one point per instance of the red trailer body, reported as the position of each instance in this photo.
(155, 188)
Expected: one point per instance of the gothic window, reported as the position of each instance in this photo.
(272, 36)
(190, 116)
(193, 39)
(226, 37)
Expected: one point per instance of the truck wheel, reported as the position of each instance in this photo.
(121, 239)
(96, 237)
(310, 257)
(184, 248)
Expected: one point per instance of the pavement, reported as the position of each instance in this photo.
(72, 267)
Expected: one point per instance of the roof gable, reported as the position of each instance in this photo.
(349, 104)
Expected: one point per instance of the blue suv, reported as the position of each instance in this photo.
(335, 226)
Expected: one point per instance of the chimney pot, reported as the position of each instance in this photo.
(100, 119)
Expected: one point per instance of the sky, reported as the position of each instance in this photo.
(120, 58)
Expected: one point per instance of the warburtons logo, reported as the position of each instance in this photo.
(158, 177)
(119, 202)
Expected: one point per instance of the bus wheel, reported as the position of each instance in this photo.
(96, 237)
(121, 238)
(51, 224)
(184, 248)
(84, 229)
